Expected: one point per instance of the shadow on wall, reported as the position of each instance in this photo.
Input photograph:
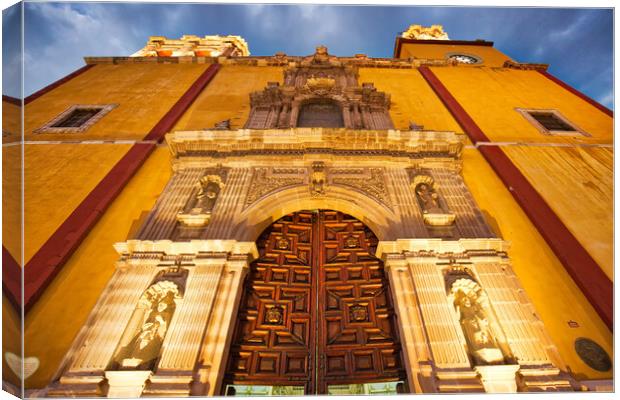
(492, 222)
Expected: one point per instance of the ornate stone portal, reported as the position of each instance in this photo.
(164, 324)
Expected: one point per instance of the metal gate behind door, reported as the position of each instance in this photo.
(316, 310)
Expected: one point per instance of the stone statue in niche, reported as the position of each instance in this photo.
(474, 314)
(428, 198)
(141, 343)
(197, 211)
(434, 209)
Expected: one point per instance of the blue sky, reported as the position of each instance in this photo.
(578, 43)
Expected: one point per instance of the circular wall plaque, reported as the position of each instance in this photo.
(593, 354)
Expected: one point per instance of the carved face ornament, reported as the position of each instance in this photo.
(273, 315)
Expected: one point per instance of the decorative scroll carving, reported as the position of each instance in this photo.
(419, 32)
(141, 343)
(434, 208)
(370, 181)
(197, 211)
(266, 180)
(318, 179)
(481, 331)
(320, 79)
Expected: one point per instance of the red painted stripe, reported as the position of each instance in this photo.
(11, 279)
(586, 273)
(12, 100)
(59, 82)
(167, 122)
(47, 262)
(460, 115)
(578, 93)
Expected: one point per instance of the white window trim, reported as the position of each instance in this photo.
(50, 128)
(526, 112)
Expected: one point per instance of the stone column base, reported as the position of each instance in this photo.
(545, 379)
(169, 385)
(126, 384)
(77, 386)
(498, 378)
(458, 381)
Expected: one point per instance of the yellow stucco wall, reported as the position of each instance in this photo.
(54, 321)
(490, 56)
(556, 297)
(412, 99)
(11, 122)
(11, 338)
(228, 97)
(577, 182)
(490, 96)
(11, 200)
(144, 94)
(57, 177)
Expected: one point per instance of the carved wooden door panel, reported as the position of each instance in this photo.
(358, 339)
(316, 309)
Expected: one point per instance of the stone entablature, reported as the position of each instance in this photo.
(278, 60)
(432, 146)
(194, 46)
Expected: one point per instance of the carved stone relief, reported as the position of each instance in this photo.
(319, 85)
(269, 179)
(318, 179)
(370, 181)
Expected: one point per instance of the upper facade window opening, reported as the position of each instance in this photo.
(551, 122)
(76, 118)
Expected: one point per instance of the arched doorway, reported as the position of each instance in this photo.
(316, 314)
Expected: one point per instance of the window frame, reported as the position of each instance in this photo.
(527, 113)
(50, 127)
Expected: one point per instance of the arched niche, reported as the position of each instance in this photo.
(320, 112)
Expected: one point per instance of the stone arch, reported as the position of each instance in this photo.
(251, 222)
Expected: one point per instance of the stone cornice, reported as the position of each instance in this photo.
(525, 66)
(437, 247)
(297, 142)
(283, 60)
(193, 247)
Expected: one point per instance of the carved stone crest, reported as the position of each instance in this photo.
(318, 179)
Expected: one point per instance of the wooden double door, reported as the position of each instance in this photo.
(316, 313)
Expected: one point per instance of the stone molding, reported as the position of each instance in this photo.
(282, 60)
(158, 248)
(437, 147)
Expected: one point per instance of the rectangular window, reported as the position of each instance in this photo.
(76, 118)
(551, 122)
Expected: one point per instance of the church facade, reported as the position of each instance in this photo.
(288, 225)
